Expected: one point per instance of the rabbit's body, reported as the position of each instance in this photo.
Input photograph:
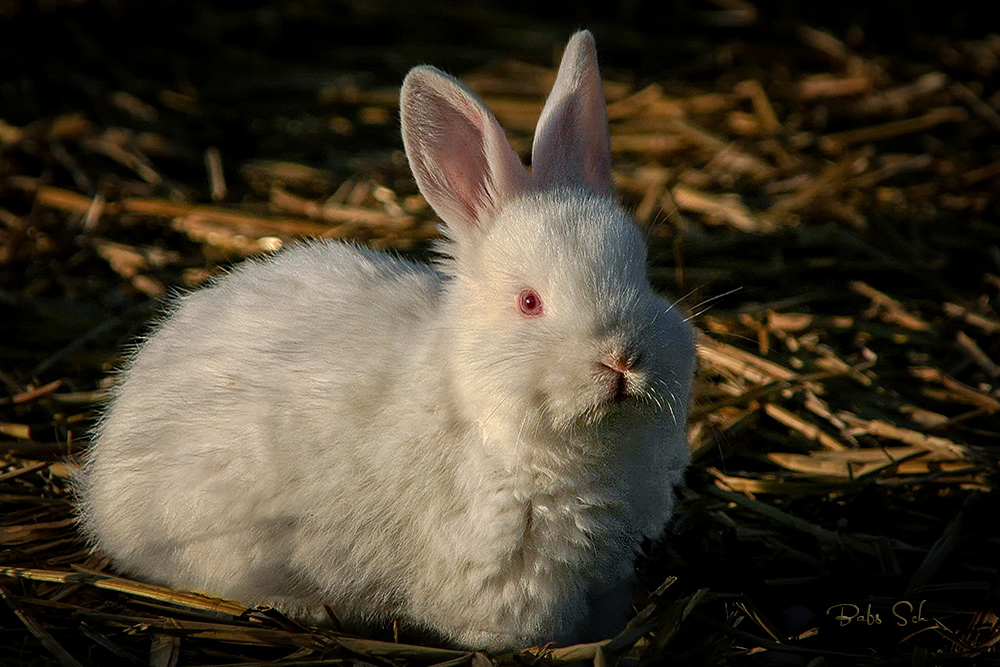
(399, 441)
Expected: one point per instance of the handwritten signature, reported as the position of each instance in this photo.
(901, 610)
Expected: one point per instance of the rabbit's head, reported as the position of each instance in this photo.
(554, 325)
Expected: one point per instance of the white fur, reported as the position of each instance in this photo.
(336, 425)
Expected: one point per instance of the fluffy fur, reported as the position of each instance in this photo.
(336, 425)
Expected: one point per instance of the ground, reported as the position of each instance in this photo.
(819, 186)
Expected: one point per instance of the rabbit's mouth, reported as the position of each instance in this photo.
(616, 375)
(618, 390)
(629, 393)
(620, 394)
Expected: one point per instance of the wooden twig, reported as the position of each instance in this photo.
(892, 310)
(837, 142)
(971, 347)
(724, 208)
(809, 431)
(216, 177)
(128, 587)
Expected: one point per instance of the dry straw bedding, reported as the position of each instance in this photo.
(829, 216)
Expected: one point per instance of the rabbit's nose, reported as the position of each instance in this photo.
(620, 362)
(620, 355)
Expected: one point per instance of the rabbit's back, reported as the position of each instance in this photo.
(203, 464)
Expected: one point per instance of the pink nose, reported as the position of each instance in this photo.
(619, 363)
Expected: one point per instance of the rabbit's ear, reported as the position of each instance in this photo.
(571, 145)
(461, 159)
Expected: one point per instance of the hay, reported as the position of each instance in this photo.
(827, 206)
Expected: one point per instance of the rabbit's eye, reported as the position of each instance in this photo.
(529, 303)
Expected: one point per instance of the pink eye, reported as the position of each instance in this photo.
(529, 303)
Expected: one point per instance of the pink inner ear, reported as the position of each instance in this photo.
(459, 155)
(578, 152)
(567, 159)
(572, 146)
(594, 145)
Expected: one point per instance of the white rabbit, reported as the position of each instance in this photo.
(475, 448)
